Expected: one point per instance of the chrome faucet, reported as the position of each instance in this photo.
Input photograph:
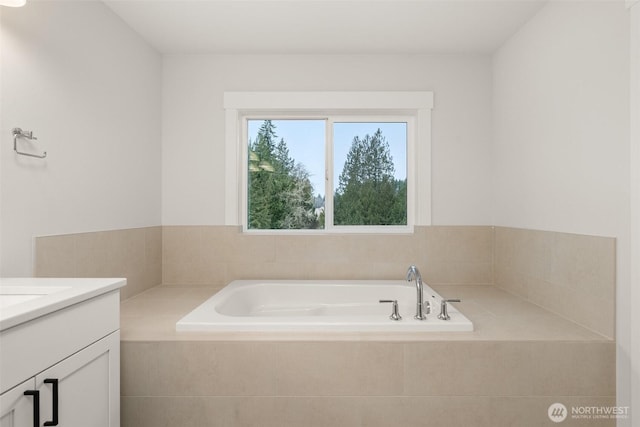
(414, 274)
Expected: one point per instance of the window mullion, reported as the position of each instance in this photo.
(243, 166)
(328, 178)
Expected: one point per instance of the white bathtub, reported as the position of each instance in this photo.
(317, 306)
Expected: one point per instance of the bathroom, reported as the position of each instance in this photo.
(532, 133)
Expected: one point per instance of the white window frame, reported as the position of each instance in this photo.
(411, 107)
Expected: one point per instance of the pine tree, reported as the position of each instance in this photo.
(368, 193)
(280, 192)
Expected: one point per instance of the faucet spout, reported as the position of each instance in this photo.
(414, 274)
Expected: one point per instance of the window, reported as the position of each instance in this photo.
(369, 173)
(285, 174)
(299, 176)
(349, 168)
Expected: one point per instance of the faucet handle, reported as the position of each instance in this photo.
(444, 315)
(395, 314)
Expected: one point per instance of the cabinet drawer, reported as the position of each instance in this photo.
(36, 345)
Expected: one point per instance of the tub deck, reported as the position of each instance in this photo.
(496, 315)
(519, 360)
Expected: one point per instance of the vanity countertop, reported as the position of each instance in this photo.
(26, 298)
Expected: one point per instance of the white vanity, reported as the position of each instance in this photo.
(60, 352)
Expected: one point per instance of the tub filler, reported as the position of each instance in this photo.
(318, 306)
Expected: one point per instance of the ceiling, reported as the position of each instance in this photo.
(325, 27)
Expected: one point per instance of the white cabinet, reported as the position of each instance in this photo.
(87, 392)
(16, 408)
(63, 368)
(79, 391)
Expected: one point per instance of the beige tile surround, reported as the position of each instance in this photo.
(132, 253)
(569, 274)
(217, 255)
(368, 384)
(352, 411)
(521, 358)
(496, 315)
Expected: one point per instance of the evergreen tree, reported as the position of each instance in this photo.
(280, 192)
(368, 193)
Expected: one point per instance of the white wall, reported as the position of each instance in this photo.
(193, 122)
(635, 203)
(561, 126)
(561, 121)
(89, 88)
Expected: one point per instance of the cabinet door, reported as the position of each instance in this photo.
(87, 385)
(16, 409)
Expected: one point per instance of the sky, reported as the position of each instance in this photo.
(306, 138)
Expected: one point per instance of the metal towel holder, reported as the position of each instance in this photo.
(27, 134)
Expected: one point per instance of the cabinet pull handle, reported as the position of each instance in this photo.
(54, 418)
(36, 406)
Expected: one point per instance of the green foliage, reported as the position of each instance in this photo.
(280, 192)
(368, 193)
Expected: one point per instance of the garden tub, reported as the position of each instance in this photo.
(317, 306)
